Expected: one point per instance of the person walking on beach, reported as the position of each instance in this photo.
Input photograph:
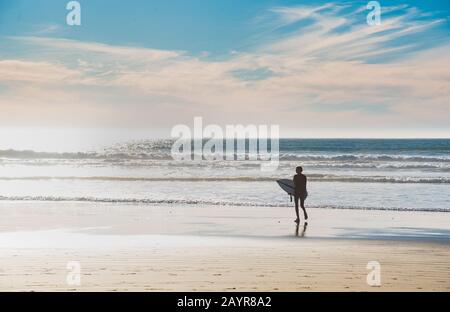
(300, 192)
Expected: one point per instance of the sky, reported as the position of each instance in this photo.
(316, 68)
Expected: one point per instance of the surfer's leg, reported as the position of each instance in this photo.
(302, 204)
(296, 198)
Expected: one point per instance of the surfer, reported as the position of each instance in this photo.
(300, 192)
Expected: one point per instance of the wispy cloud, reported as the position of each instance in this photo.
(319, 40)
(48, 29)
(35, 72)
(94, 47)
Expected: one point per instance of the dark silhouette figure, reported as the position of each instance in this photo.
(300, 192)
(302, 233)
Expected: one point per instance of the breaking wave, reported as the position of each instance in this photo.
(145, 201)
(165, 155)
(311, 177)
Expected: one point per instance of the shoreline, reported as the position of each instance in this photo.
(155, 202)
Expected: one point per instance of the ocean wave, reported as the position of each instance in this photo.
(311, 177)
(364, 158)
(147, 201)
(118, 156)
(383, 166)
(29, 154)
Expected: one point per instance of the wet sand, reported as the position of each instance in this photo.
(183, 248)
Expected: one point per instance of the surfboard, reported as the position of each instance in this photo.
(287, 186)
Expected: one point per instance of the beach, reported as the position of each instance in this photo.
(135, 247)
(130, 218)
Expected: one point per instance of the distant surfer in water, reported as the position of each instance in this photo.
(300, 192)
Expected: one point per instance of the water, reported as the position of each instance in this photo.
(411, 174)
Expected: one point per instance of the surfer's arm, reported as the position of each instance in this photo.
(306, 189)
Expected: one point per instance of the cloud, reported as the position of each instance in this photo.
(289, 15)
(47, 29)
(94, 47)
(35, 72)
(333, 71)
(320, 40)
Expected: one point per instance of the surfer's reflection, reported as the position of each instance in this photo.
(303, 231)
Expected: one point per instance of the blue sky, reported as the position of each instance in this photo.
(194, 26)
(153, 64)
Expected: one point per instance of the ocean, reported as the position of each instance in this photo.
(387, 174)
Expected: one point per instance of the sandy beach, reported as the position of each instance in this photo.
(127, 247)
